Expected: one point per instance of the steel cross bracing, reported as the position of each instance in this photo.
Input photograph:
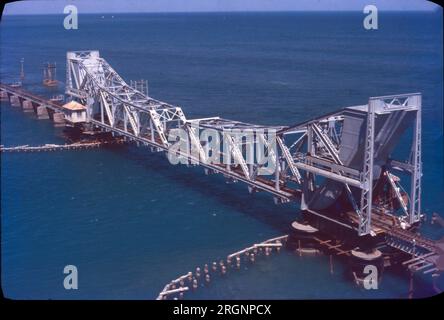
(415, 193)
(299, 154)
(365, 211)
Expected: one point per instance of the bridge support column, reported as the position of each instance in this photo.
(42, 112)
(59, 119)
(302, 239)
(363, 263)
(15, 101)
(4, 96)
(27, 106)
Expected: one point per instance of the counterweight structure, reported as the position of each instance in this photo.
(338, 166)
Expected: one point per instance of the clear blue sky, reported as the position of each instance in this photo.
(115, 6)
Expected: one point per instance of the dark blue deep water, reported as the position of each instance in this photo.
(130, 221)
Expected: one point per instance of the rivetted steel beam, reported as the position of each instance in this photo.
(328, 174)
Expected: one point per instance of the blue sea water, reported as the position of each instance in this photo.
(129, 220)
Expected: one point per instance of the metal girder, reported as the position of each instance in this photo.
(195, 143)
(328, 174)
(91, 76)
(411, 102)
(328, 144)
(271, 151)
(299, 142)
(287, 155)
(415, 193)
(395, 188)
(237, 154)
(367, 191)
(331, 149)
(155, 118)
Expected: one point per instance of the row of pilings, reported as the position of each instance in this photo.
(203, 275)
(60, 147)
(303, 240)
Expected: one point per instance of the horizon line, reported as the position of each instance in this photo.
(231, 11)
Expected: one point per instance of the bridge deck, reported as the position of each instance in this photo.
(55, 105)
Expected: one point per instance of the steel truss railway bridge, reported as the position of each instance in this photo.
(338, 166)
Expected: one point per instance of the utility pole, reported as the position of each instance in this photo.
(22, 70)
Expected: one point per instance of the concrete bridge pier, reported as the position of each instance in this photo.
(28, 106)
(42, 112)
(59, 119)
(365, 263)
(15, 101)
(4, 96)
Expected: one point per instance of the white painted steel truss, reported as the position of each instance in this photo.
(314, 146)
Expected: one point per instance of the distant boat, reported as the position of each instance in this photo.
(103, 17)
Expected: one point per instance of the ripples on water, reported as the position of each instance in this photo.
(130, 221)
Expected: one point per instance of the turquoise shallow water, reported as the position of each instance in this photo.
(130, 221)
